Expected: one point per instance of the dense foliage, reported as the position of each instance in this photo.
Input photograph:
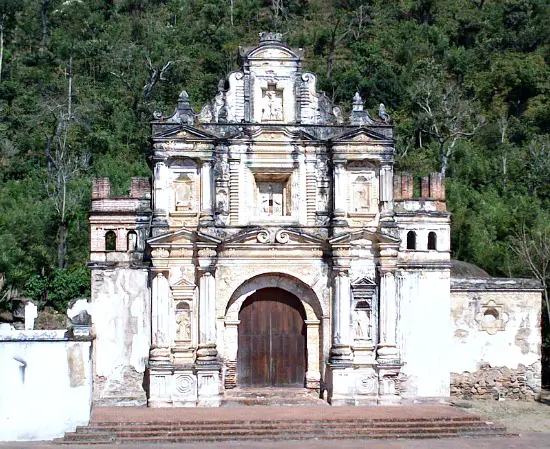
(467, 83)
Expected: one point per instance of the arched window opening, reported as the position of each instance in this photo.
(411, 240)
(132, 241)
(432, 241)
(110, 241)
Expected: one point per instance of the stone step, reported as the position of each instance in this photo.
(209, 426)
(324, 421)
(185, 432)
(299, 436)
(267, 430)
(278, 423)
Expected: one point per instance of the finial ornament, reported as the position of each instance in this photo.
(384, 116)
(357, 102)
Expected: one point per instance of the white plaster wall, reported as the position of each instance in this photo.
(518, 343)
(424, 332)
(49, 396)
(121, 318)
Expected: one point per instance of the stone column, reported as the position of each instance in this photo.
(340, 197)
(206, 191)
(159, 356)
(340, 353)
(161, 311)
(207, 364)
(160, 198)
(387, 349)
(386, 191)
(207, 351)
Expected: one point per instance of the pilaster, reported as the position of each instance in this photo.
(206, 215)
(386, 192)
(207, 352)
(340, 193)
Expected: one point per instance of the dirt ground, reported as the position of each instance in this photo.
(517, 416)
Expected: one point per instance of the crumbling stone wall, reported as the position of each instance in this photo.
(498, 382)
(496, 338)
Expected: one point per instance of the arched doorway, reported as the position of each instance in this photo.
(272, 340)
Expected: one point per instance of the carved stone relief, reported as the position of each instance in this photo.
(362, 193)
(492, 317)
(272, 104)
(184, 193)
(367, 383)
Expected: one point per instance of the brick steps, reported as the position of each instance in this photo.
(246, 430)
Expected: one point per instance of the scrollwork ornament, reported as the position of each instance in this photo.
(263, 236)
(282, 236)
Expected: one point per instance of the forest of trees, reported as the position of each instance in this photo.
(467, 83)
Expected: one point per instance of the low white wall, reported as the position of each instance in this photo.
(45, 385)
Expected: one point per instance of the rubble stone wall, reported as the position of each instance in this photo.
(499, 382)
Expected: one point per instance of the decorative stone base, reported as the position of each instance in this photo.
(364, 384)
(522, 383)
(191, 386)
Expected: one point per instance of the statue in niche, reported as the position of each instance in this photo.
(183, 321)
(184, 193)
(272, 108)
(322, 200)
(322, 169)
(361, 324)
(361, 195)
(222, 205)
(221, 169)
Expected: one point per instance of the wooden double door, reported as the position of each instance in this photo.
(272, 340)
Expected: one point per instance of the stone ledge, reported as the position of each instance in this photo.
(495, 284)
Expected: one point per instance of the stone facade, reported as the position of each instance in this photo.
(271, 186)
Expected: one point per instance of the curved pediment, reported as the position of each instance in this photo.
(272, 52)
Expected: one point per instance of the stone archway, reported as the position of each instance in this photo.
(313, 315)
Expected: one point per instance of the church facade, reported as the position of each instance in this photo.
(275, 247)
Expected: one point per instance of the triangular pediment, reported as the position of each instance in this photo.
(273, 236)
(183, 284)
(185, 132)
(363, 282)
(363, 234)
(362, 135)
(182, 237)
